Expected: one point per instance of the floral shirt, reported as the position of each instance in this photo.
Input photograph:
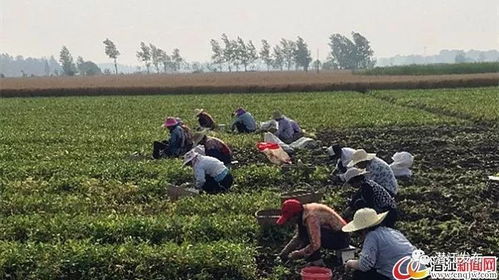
(213, 143)
(315, 217)
(374, 196)
(205, 120)
(381, 173)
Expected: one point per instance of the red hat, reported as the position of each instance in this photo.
(289, 209)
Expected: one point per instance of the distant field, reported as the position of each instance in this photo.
(435, 69)
(231, 83)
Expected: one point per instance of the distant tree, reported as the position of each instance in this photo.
(218, 54)
(278, 57)
(112, 52)
(317, 65)
(246, 53)
(155, 56)
(229, 52)
(79, 64)
(288, 51)
(302, 54)
(144, 55)
(363, 52)
(68, 66)
(87, 68)
(46, 67)
(107, 71)
(251, 55)
(176, 59)
(265, 54)
(165, 60)
(460, 58)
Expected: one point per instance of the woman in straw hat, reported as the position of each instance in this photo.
(244, 122)
(382, 247)
(288, 130)
(213, 146)
(179, 142)
(379, 171)
(205, 120)
(371, 195)
(318, 227)
(212, 176)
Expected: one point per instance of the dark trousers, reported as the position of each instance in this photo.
(333, 240)
(368, 275)
(226, 159)
(241, 128)
(211, 186)
(160, 149)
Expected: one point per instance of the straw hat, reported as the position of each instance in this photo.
(170, 121)
(353, 172)
(189, 156)
(276, 115)
(364, 218)
(198, 136)
(198, 111)
(360, 156)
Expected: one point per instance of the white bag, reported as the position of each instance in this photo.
(269, 125)
(402, 162)
(271, 138)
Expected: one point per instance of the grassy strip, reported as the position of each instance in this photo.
(85, 260)
(435, 69)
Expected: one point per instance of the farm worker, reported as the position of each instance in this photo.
(213, 147)
(382, 247)
(342, 156)
(178, 143)
(244, 122)
(378, 170)
(205, 120)
(211, 174)
(318, 226)
(288, 130)
(371, 195)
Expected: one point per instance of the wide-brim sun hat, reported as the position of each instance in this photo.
(364, 218)
(352, 173)
(170, 121)
(198, 136)
(360, 156)
(198, 111)
(276, 115)
(189, 156)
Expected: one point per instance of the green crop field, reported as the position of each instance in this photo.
(76, 203)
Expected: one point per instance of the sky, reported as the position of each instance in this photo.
(40, 28)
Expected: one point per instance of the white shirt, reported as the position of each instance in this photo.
(205, 165)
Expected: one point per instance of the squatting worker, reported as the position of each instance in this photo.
(378, 170)
(318, 226)
(341, 156)
(244, 122)
(179, 143)
(213, 146)
(382, 246)
(288, 130)
(371, 195)
(205, 120)
(211, 174)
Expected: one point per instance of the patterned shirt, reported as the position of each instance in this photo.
(374, 196)
(381, 173)
(382, 248)
(315, 217)
(205, 120)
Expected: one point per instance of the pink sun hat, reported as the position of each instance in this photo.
(170, 121)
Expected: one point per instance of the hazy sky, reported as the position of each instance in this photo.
(40, 27)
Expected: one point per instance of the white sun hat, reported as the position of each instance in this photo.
(364, 218)
(353, 172)
(360, 156)
(189, 156)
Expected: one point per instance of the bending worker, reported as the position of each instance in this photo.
(213, 146)
(318, 226)
(211, 174)
(288, 130)
(178, 144)
(205, 120)
(244, 122)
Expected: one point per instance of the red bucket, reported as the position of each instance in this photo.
(316, 273)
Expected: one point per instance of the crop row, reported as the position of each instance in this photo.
(435, 69)
(85, 260)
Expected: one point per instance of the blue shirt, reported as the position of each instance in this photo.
(382, 248)
(176, 141)
(247, 120)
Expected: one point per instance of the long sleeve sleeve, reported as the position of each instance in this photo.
(200, 176)
(314, 232)
(175, 142)
(368, 256)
